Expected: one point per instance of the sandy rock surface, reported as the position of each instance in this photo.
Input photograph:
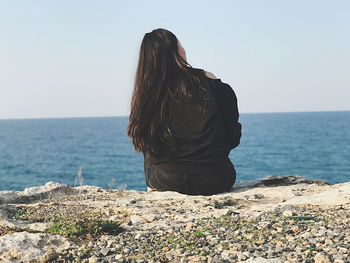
(24, 246)
(50, 189)
(146, 216)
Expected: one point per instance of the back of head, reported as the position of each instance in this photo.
(159, 54)
(162, 75)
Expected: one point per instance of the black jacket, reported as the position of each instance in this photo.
(201, 143)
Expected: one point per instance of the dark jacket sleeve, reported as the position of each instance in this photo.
(229, 111)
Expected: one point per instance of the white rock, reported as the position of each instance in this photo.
(40, 189)
(49, 256)
(338, 260)
(334, 195)
(24, 246)
(89, 189)
(135, 219)
(321, 258)
(118, 256)
(287, 213)
(343, 250)
(260, 260)
(93, 259)
(8, 196)
(50, 188)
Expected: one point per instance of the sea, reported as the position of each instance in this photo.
(315, 145)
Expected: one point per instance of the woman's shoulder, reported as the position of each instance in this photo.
(209, 75)
(205, 73)
(221, 87)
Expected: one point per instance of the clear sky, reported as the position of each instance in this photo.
(78, 58)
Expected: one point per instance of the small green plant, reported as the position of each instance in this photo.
(86, 224)
(11, 230)
(20, 213)
(225, 245)
(29, 230)
(64, 228)
(199, 222)
(226, 218)
(202, 232)
(82, 251)
(224, 221)
(110, 227)
(170, 239)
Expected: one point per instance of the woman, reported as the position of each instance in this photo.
(184, 120)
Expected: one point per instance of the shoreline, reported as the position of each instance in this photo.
(274, 219)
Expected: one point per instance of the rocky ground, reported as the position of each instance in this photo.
(275, 219)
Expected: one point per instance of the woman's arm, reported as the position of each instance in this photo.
(228, 102)
(230, 114)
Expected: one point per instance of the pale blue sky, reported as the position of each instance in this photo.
(78, 58)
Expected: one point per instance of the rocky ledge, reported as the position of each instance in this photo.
(275, 219)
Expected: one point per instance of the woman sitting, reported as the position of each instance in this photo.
(184, 120)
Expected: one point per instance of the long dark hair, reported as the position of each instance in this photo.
(162, 76)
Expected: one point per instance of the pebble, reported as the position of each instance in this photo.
(49, 256)
(189, 225)
(343, 250)
(198, 259)
(104, 251)
(118, 257)
(321, 258)
(287, 213)
(93, 259)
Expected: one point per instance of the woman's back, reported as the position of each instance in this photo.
(195, 159)
(196, 136)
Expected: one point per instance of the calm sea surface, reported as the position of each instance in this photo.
(35, 151)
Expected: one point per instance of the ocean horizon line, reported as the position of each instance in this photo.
(123, 116)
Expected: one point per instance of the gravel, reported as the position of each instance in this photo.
(269, 237)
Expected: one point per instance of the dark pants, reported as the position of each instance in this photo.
(216, 178)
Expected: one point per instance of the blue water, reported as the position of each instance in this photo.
(35, 151)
